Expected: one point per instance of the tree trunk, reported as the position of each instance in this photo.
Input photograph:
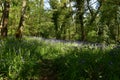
(19, 30)
(4, 19)
(80, 13)
(82, 28)
(55, 20)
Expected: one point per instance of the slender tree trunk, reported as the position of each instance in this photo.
(82, 28)
(80, 13)
(19, 30)
(118, 33)
(4, 19)
(55, 20)
(1, 20)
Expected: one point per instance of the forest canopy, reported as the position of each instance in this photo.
(83, 20)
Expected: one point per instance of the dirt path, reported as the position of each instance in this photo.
(48, 71)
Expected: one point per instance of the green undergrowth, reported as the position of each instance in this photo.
(32, 59)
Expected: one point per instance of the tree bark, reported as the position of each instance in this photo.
(4, 19)
(80, 13)
(19, 30)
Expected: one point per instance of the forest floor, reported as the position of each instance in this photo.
(49, 71)
(36, 58)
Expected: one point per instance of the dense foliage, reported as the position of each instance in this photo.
(86, 20)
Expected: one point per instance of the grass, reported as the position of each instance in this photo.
(35, 59)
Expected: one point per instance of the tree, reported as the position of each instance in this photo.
(19, 30)
(80, 14)
(109, 18)
(4, 18)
